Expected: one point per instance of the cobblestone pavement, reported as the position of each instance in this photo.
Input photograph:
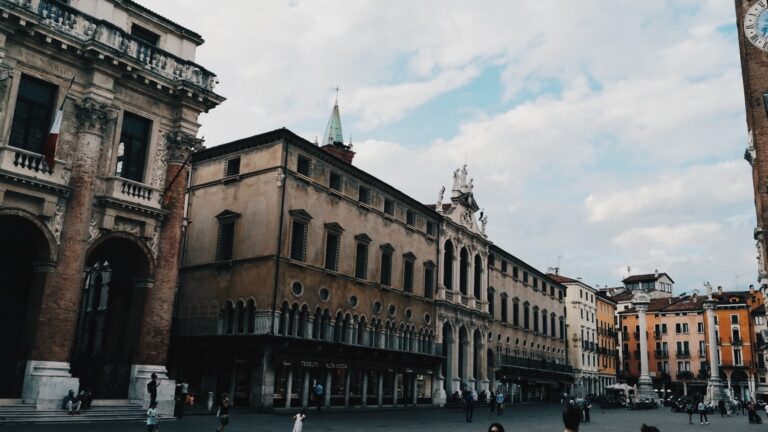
(528, 418)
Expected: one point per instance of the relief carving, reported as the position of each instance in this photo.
(93, 228)
(56, 222)
(159, 166)
(180, 145)
(128, 226)
(154, 243)
(93, 116)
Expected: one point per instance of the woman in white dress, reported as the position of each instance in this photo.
(299, 420)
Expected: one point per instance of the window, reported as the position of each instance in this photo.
(526, 316)
(335, 181)
(491, 260)
(332, 246)
(429, 280)
(491, 301)
(734, 319)
(386, 264)
(226, 240)
(232, 167)
(364, 195)
(410, 218)
(552, 325)
(389, 207)
(525, 277)
(361, 256)
(504, 268)
(700, 327)
(33, 114)
(504, 317)
(535, 282)
(737, 357)
(536, 319)
(544, 322)
(144, 35)
(408, 260)
(299, 240)
(664, 328)
(431, 228)
(515, 313)
(132, 150)
(515, 272)
(302, 166)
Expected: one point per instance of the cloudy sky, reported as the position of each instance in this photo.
(600, 135)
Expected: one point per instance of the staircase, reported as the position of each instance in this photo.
(15, 412)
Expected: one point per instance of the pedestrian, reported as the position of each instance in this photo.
(587, 407)
(495, 427)
(469, 405)
(152, 388)
(703, 413)
(223, 412)
(646, 428)
(571, 418)
(492, 399)
(689, 410)
(298, 420)
(318, 391)
(721, 406)
(766, 410)
(152, 417)
(500, 402)
(71, 403)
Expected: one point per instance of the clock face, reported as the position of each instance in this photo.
(756, 24)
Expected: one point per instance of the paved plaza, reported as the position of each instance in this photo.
(528, 418)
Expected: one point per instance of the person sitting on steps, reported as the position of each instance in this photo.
(71, 403)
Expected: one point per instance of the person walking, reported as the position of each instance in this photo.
(587, 407)
(721, 406)
(298, 420)
(703, 413)
(318, 392)
(152, 417)
(492, 399)
(469, 405)
(152, 389)
(500, 402)
(223, 412)
(689, 410)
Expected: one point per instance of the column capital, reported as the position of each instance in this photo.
(180, 145)
(93, 116)
(709, 304)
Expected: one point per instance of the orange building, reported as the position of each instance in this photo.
(607, 341)
(677, 342)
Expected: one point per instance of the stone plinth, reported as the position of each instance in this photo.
(46, 383)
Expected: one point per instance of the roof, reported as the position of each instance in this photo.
(178, 27)
(693, 303)
(288, 136)
(333, 134)
(446, 206)
(605, 297)
(622, 297)
(646, 277)
(760, 310)
(562, 279)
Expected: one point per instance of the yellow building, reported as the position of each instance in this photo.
(606, 340)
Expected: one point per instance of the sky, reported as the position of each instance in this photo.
(602, 136)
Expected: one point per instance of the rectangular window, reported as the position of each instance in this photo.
(504, 317)
(737, 356)
(515, 313)
(410, 218)
(302, 166)
(361, 260)
(504, 268)
(525, 277)
(232, 167)
(332, 246)
(700, 327)
(33, 114)
(429, 281)
(678, 328)
(145, 36)
(431, 228)
(132, 150)
(664, 328)
(535, 282)
(364, 195)
(734, 319)
(389, 207)
(299, 241)
(491, 260)
(386, 268)
(226, 241)
(408, 276)
(335, 181)
(560, 294)
(685, 327)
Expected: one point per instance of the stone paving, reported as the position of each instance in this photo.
(526, 417)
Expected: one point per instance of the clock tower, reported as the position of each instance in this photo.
(752, 23)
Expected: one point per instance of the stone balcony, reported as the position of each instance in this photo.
(133, 192)
(30, 167)
(107, 42)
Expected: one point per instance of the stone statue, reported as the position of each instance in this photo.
(456, 184)
(93, 228)
(440, 198)
(483, 222)
(709, 290)
(470, 185)
(463, 177)
(760, 256)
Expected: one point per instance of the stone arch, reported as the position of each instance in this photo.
(477, 275)
(464, 271)
(49, 238)
(128, 237)
(449, 256)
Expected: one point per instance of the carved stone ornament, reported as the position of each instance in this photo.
(154, 243)
(93, 228)
(56, 222)
(128, 226)
(181, 145)
(279, 177)
(159, 166)
(93, 116)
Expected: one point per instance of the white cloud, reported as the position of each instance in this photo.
(667, 236)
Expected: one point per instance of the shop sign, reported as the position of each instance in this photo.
(317, 364)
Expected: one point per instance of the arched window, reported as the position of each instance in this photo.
(504, 308)
(229, 317)
(544, 321)
(515, 312)
(250, 307)
(526, 316)
(478, 282)
(552, 325)
(491, 305)
(463, 270)
(240, 317)
(448, 266)
(535, 319)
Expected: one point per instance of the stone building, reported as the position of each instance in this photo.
(581, 306)
(90, 243)
(303, 269)
(607, 342)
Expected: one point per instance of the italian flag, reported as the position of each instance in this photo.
(49, 149)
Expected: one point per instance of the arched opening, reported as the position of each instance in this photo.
(228, 315)
(478, 282)
(463, 352)
(24, 248)
(251, 309)
(477, 353)
(463, 270)
(448, 259)
(241, 317)
(447, 357)
(111, 313)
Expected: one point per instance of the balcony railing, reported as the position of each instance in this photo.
(102, 34)
(132, 191)
(683, 354)
(657, 335)
(31, 164)
(737, 341)
(543, 365)
(661, 354)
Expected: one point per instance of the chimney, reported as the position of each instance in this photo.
(720, 290)
(656, 273)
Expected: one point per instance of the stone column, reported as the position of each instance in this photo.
(309, 326)
(327, 394)
(471, 301)
(380, 388)
(158, 308)
(295, 323)
(289, 387)
(305, 389)
(714, 382)
(364, 392)
(346, 388)
(483, 366)
(464, 354)
(329, 324)
(456, 274)
(414, 390)
(644, 384)
(286, 317)
(47, 375)
(394, 387)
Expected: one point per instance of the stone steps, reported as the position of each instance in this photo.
(21, 413)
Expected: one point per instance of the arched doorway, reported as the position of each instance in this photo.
(118, 273)
(25, 248)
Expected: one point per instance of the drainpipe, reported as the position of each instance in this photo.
(279, 238)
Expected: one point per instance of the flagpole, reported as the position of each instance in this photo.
(66, 93)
